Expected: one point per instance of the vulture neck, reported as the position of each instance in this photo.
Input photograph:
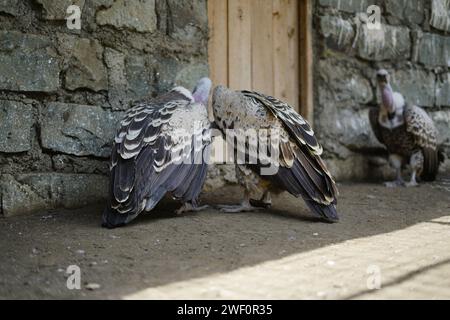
(392, 106)
(387, 98)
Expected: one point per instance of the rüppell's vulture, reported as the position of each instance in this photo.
(162, 147)
(275, 150)
(408, 134)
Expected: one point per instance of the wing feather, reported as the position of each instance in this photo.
(298, 127)
(420, 125)
(142, 167)
(302, 168)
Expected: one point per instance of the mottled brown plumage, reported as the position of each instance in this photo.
(300, 169)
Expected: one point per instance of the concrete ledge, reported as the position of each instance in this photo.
(27, 193)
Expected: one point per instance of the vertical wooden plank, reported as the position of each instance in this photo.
(239, 40)
(306, 60)
(293, 72)
(218, 40)
(262, 41)
(218, 43)
(280, 49)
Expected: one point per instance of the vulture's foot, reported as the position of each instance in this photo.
(265, 202)
(411, 184)
(188, 207)
(394, 184)
(261, 204)
(243, 207)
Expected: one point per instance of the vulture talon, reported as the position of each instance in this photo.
(238, 208)
(187, 207)
(411, 184)
(394, 184)
(260, 204)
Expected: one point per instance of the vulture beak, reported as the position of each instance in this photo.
(382, 81)
(382, 78)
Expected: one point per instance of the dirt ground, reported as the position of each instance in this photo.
(402, 234)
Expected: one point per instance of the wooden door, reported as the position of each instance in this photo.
(260, 45)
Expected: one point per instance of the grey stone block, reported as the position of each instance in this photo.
(411, 11)
(338, 32)
(417, 86)
(78, 130)
(347, 5)
(27, 193)
(442, 121)
(434, 50)
(27, 63)
(388, 43)
(440, 15)
(443, 91)
(56, 9)
(133, 15)
(16, 121)
(342, 83)
(84, 60)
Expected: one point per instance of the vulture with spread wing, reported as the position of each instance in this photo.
(280, 152)
(407, 132)
(161, 147)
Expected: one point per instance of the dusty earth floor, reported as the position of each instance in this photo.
(396, 238)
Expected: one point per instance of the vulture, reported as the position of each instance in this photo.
(280, 154)
(408, 134)
(162, 147)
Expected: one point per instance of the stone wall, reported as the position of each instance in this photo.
(413, 44)
(62, 91)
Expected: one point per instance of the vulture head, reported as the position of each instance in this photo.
(201, 91)
(383, 78)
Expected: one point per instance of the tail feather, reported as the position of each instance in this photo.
(113, 219)
(431, 160)
(327, 212)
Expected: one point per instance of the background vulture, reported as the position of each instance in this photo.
(162, 146)
(300, 169)
(408, 134)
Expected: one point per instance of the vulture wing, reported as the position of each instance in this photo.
(302, 172)
(419, 124)
(153, 154)
(299, 129)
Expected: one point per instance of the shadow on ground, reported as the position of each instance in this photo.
(162, 248)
